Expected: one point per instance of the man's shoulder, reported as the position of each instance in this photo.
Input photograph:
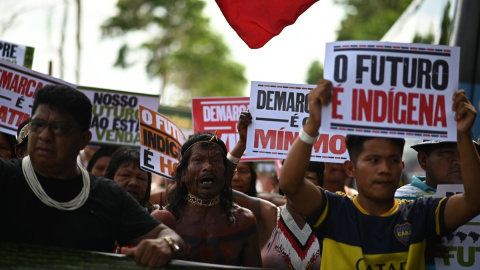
(242, 214)
(13, 163)
(10, 168)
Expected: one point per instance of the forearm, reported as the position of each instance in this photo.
(470, 164)
(296, 163)
(238, 149)
(297, 189)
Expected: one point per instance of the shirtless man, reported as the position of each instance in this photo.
(215, 229)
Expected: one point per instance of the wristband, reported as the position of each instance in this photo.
(307, 138)
(232, 158)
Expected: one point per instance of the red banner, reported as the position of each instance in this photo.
(220, 114)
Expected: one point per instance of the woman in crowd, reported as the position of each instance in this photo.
(7, 146)
(245, 179)
(124, 168)
(99, 161)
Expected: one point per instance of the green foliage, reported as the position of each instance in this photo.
(427, 39)
(315, 72)
(369, 19)
(446, 26)
(183, 50)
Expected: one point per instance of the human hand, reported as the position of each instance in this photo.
(465, 112)
(244, 120)
(318, 97)
(150, 252)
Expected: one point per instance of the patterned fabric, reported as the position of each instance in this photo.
(290, 247)
(23, 134)
(416, 189)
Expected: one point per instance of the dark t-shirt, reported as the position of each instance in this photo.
(109, 213)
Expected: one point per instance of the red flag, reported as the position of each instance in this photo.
(257, 21)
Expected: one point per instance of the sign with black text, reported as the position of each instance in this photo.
(388, 89)
(115, 115)
(16, 54)
(161, 142)
(279, 110)
(463, 244)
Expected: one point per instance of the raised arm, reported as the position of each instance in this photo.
(461, 208)
(299, 190)
(244, 120)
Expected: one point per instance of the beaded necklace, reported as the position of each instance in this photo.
(203, 202)
(37, 189)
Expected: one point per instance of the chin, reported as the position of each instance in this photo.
(209, 195)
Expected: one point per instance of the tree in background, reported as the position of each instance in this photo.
(315, 72)
(445, 27)
(365, 20)
(369, 19)
(182, 49)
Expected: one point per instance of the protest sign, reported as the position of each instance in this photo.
(18, 86)
(463, 244)
(220, 114)
(391, 89)
(161, 142)
(115, 115)
(16, 54)
(279, 110)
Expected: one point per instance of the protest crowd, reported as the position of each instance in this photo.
(336, 196)
(214, 211)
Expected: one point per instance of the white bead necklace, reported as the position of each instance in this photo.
(37, 189)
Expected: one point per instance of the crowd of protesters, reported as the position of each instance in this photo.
(214, 212)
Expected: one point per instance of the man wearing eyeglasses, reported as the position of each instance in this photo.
(48, 199)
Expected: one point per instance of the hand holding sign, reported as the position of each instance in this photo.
(318, 97)
(242, 125)
(465, 113)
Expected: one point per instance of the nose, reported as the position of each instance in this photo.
(236, 176)
(384, 167)
(207, 166)
(456, 160)
(133, 182)
(46, 134)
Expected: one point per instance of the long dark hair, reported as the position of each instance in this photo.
(252, 189)
(177, 197)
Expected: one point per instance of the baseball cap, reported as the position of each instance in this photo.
(430, 143)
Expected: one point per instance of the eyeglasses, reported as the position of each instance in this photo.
(58, 128)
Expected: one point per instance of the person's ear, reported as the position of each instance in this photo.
(422, 159)
(403, 164)
(86, 137)
(349, 168)
(182, 180)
